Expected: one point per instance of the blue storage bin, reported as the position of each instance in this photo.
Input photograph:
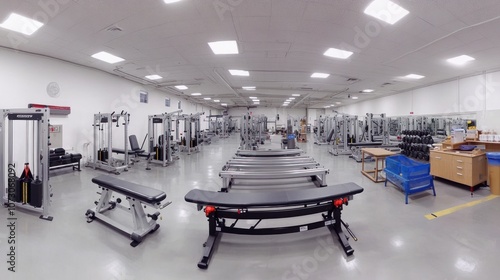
(406, 167)
(493, 158)
(410, 186)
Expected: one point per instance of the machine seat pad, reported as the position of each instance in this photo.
(139, 192)
(122, 151)
(272, 199)
(366, 144)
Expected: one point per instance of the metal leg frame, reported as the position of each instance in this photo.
(141, 227)
(216, 224)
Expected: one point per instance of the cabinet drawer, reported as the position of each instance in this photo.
(462, 177)
(460, 160)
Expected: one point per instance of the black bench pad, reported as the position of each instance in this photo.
(270, 199)
(364, 144)
(122, 151)
(143, 193)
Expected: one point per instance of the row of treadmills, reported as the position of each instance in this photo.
(273, 185)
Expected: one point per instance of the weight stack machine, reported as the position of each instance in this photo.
(30, 189)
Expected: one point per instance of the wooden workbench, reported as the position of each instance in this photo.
(377, 154)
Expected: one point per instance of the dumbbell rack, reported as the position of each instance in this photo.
(416, 144)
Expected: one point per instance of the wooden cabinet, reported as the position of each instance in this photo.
(464, 168)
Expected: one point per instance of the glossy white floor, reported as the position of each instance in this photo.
(396, 241)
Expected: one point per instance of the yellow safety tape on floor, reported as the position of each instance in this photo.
(445, 212)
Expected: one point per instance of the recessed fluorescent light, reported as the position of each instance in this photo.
(154, 77)
(414, 76)
(338, 102)
(223, 104)
(320, 75)
(181, 87)
(253, 97)
(207, 98)
(256, 100)
(460, 60)
(367, 90)
(107, 57)
(354, 97)
(239, 72)
(216, 100)
(327, 106)
(386, 10)
(332, 105)
(285, 104)
(333, 52)
(292, 98)
(224, 47)
(171, 1)
(21, 24)
(196, 94)
(248, 88)
(295, 94)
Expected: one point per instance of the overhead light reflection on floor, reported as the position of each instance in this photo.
(468, 265)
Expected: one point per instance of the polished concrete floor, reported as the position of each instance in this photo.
(395, 241)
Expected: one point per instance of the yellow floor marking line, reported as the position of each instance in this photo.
(450, 210)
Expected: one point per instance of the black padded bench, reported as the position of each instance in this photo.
(138, 197)
(219, 206)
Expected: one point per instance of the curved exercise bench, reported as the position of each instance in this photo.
(219, 206)
(138, 197)
(318, 175)
(269, 153)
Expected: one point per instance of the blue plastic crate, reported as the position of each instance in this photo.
(410, 186)
(406, 167)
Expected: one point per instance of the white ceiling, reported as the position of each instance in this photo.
(281, 43)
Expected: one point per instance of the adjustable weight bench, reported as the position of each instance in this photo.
(138, 197)
(219, 206)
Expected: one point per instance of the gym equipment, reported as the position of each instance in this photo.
(190, 143)
(138, 197)
(417, 144)
(161, 143)
(318, 175)
(259, 206)
(345, 133)
(269, 153)
(32, 190)
(103, 143)
(58, 158)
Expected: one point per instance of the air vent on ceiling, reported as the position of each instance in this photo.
(306, 88)
(386, 84)
(114, 28)
(352, 80)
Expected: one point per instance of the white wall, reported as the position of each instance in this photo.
(477, 96)
(86, 91)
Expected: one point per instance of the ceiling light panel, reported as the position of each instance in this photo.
(171, 1)
(196, 94)
(386, 11)
(154, 77)
(224, 47)
(367, 90)
(337, 53)
(414, 76)
(207, 98)
(248, 88)
(320, 75)
(239, 72)
(296, 94)
(107, 57)
(181, 87)
(21, 24)
(460, 60)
